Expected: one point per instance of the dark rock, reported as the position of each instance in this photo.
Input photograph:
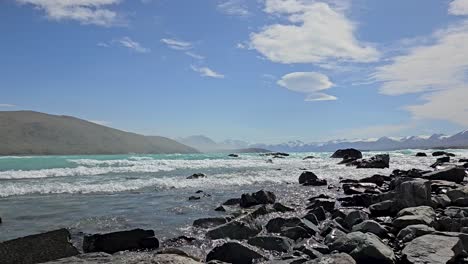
(330, 225)
(421, 154)
(243, 228)
(220, 209)
(385, 208)
(194, 198)
(440, 161)
(319, 212)
(360, 188)
(462, 202)
(308, 157)
(333, 235)
(210, 222)
(440, 201)
(308, 178)
(370, 226)
(377, 179)
(338, 258)
(360, 200)
(433, 249)
(463, 160)
(295, 232)
(312, 218)
(233, 252)
(325, 203)
(38, 248)
(355, 217)
(257, 198)
(282, 208)
(441, 153)
(196, 176)
(414, 216)
(352, 153)
(413, 193)
(233, 155)
(347, 160)
(380, 161)
(311, 243)
(458, 193)
(280, 244)
(454, 174)
(232, 201)
(137, 239)
(413, 231)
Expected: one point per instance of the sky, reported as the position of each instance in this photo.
(264, 71)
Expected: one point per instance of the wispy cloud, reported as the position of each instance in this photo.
(312, 84)
(95, 12)
(177, 44)
(7, 105)
(132, 45)
(458, 7)
(234, 7)
(195, 55)
(207, 72)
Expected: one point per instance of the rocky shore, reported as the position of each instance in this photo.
(410, 216)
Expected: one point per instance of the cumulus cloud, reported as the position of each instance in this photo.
(177, 44)
(312, 84)
(234, 8)
(95, 12)
(207, 72)
(458, 7)
(132, 45)
(438, 71)
(316, 32)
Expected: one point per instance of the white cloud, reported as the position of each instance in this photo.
(207, 72)
(234, 8)
(84, 11)
(438, 71)
(7, 105)
(195, 55)
(103, 45)
(310, 83)
(132, 45)
(177, 44)
(316, 32)
(459, 7)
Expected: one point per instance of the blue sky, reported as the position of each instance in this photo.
(263, 71)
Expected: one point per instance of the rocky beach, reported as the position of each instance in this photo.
(408, 216)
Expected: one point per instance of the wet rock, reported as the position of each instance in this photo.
(312, 253)
(311, 243)
(338, 258)
(352, 153)
(194, 198)
(441, 153)
(440, 162)
(312, 218)
(359, 188)
(385, 208)
(282, 208)
(333, 235)
(325, 203)
(233, 155)
(433, 249)
(295, 232)
(232, 201)
(274, 243)
(370, 226)
(355, 217)
(360, 200)
(413, 216)
(220, 209)
(413, 193)
(454, 174)
(235, 253)
(364, 248)
(308, 178)
(276, 224)
(421, 154)
(257, 198)
(440, 201)
(196, 176)
(319, 213)
(243, 228)
(209, 222)
(308, 157)
(380, 161)
(137, 239)
(462, 202)
(413, 231)
(38, 248)
(377, 179)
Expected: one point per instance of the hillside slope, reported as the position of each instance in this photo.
(33, 133)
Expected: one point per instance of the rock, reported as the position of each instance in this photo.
(413, 216)
(385, 208)
(440, 201)
(338, 258)
(380, 161)
(379, 180)
(364, 248)
(210, 222)
(312, 218)
(233, 155)
(282, 208)
(280, 244)
(413, 193)
(311, 243)
(413, 231)
(257, 198)
(355, 217)
(243, 228)
(359, 188)
(137, 239)
(432, 249)
(334, 235)
(440, 161)
(370, 226)
(352, 153)
(441, 153)
(194, 198)
(233, 252)
(196, 176)
(308, 157)
(421, 154)
(293, 228)
(458, 193)
(319, 213)
(276, 224)
(220, 209)
(308, 178)
(295, 232)
(462, 202)
(454, 174)
(325, 203)
(38, 248)
(232, 201)
(172, 259)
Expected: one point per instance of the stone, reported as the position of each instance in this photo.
(440, 201)
(276, 224)
(274, 243)
(453, 174)
(257, 198)
(458, 193)
(364, 248)
(441, 153)
(326, 203)
(333, 235)
(194, 198)
(220, 208)
(209, 222)
(338, 258)
(434, 249)
(312, 218)
(308, 157)
(295, 232)
(196, 176)
(385, 208)
(440, 162)
(352, 153)
(38, 248)
(413, 216)
(421, 154)
(380, 161)
(370, 226)
(243, 228)
(377, 179)
(413, 193)
(319, 212)
(413, 231)
(232, 201)
(308, 178)
(235, 253)
(282, 208)
(233, 155)
(137, 239)
(355, 217)
(462, 202)
(359, 188)
(311, 243)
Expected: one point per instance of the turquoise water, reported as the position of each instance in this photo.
(99, 193)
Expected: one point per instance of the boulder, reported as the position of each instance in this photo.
(364, 248)
(333, 236)
(38, 248)
(235, 253)
(326, 203)
(458, 193)
(209, 222)
(308, 178)
(196, 176)
(424, 215)
(352, 153)
(274, 243)
(279, 207)
(338, 258)
(319, 213)
(232, 201)
(308, 157)
(441, 153)
(440, 201)
(421, 154)
(413, 231)
(413, 193)
(311, 243)
(355, 217)
(440, 162)
(370, 226)
(454, 174)
(461, 202)
(257, 198)
(137, 239)
(384, 208)
(276, 224)
(360, 188)
(243, 228)
(377, 179)
(380, 161)
(434, 249)
(233, 155)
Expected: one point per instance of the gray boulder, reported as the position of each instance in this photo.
(351, 153)
(424, 215)
(137, 239)
(413, 231)
(355, 217)
(454, 174)
(209, 222)
(370, 226)
(257, 198)
(235, 253)
(433, 249)
(338, 258)
(308, 178)
(413, 193)
(380, 161)
(274, 243)
(243, 228)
